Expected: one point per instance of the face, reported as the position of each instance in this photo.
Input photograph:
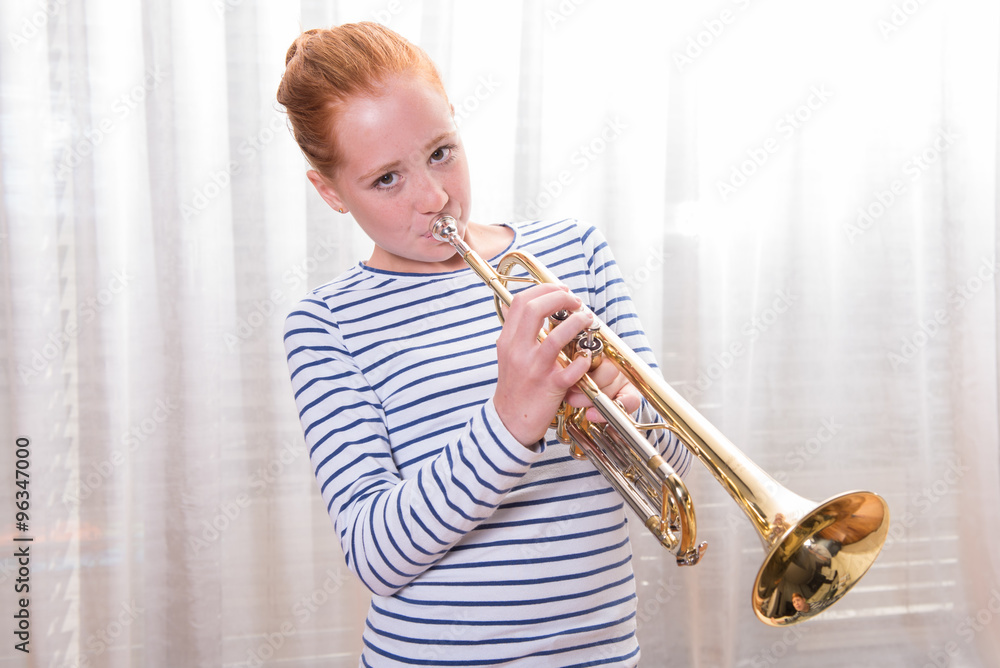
(404, 165)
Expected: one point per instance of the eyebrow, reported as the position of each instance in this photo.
(368, 177)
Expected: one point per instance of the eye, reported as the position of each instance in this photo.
(386, 180)
(441, 154)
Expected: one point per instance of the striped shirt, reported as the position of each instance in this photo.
(477, 550)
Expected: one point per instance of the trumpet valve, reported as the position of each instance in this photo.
(558, 318)
(588, 343)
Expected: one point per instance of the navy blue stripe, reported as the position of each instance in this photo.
(514, 621)
(534, 582)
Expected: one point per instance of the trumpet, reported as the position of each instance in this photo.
(814, 552)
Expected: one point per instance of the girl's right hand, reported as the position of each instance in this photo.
(531, 383)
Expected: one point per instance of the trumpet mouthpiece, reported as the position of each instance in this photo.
(443, 228)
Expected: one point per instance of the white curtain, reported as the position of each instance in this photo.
(802, 197)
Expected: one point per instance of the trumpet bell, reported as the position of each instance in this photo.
(812, 564)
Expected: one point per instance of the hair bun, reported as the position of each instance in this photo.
(300, 40)
(291, 52)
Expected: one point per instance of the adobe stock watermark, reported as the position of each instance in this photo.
(223, 7)
(966, 631)
(884, 198)
(580, 161)
(121, 108)
(562, 13)
(795, 459)
(805, 452)
(107, 638)
(751, 330)
(221, 178)
(8, 568)
(911, 346)
(557, 529)
(486, 86)
(553, 531)
(388, 13)
(927, 499)
(264, 309)
(705, 38)
(639, 276)
(786, 127)
(31, 26)
(229, 512)
(424, 321)
(302, 611)
(452, 635)
(60, 338)
(259, 315)
(899, 16)
(772, 655)
(650, 609)
(140, 432)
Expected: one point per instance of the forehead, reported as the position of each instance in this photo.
(395, 125)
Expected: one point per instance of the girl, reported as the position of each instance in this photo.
(482, 541)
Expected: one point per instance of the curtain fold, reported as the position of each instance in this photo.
(803, 203)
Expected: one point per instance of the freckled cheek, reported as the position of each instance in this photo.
(458, 187)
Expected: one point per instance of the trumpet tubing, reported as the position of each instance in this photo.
(815, 552)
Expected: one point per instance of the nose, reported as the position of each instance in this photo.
(432, 196)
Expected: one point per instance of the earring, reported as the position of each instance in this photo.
(340, 210)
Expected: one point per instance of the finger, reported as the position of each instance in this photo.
(606, 376)
(628, 398)
(570, 328)
(527, 294)
(531, 308)
(568, 376)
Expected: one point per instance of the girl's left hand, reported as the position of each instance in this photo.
(612, 383)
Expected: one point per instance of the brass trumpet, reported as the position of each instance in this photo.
(815, 552)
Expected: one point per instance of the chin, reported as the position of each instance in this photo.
(446, 255)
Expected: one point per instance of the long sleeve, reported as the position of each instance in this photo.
(391, 529)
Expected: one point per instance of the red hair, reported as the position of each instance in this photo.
(325, 68)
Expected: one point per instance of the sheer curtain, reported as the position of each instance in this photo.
(801, 197)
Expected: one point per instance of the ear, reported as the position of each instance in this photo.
(326, 190)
